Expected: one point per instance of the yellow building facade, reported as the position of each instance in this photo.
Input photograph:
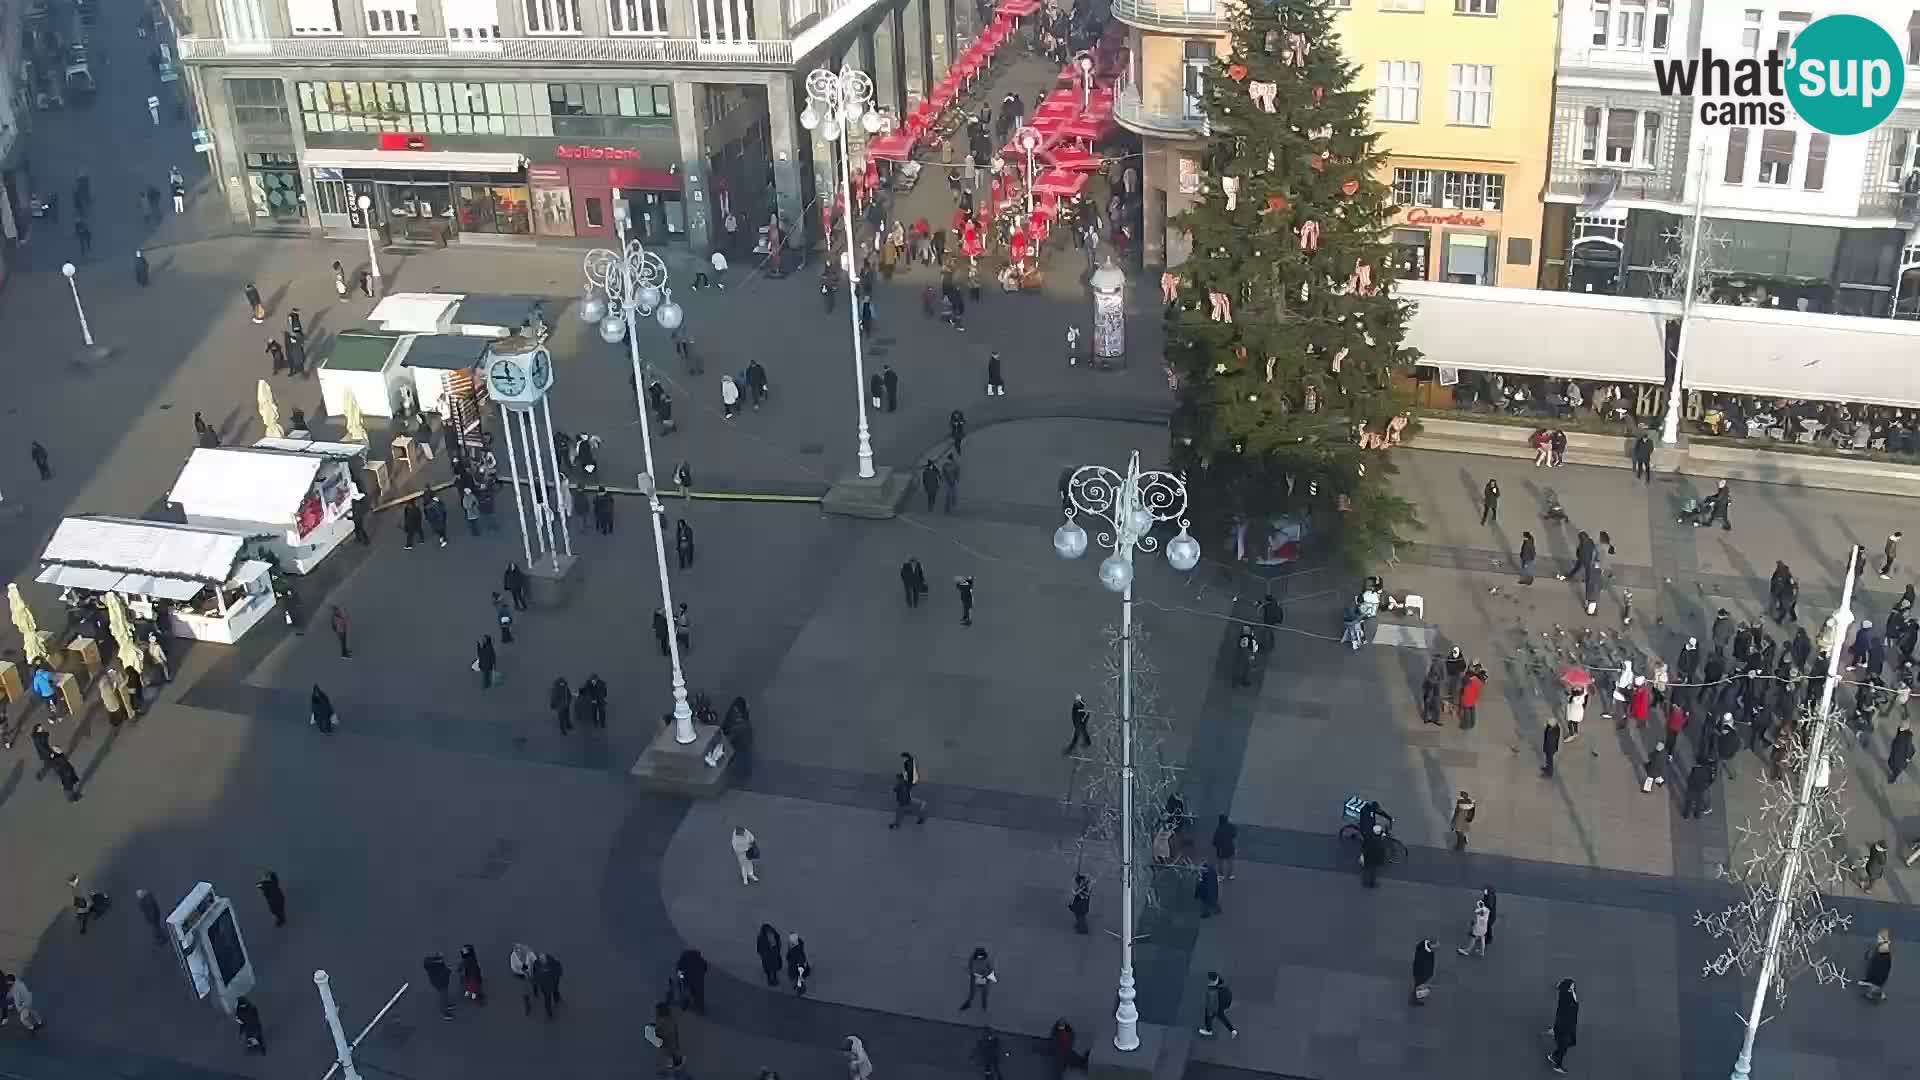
(1463, 99)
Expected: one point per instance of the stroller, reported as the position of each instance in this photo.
(1555, 511)
(1695, 511)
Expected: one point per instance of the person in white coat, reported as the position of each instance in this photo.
(1477, 930)
(859, 1065)
(745, 852)
(19, 1001)
(1576, 711)
(729, 396)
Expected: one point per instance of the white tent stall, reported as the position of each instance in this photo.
(210, 589)
(484, 315)
(298, 503)
(363, 365)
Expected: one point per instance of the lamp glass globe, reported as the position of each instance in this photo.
(669, 316)
(1070, 541)
(613, 329)
(852, 110)
(1140, 520)
(1116, 573)
(831, 129)
(1183, 552)
(871, 121)
(809, 119)
(592, 309)
(68, 269)
(649, 296)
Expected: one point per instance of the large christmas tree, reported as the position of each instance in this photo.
(1282, 332)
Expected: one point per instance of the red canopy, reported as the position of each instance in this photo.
(1087, 126)
(1018, 8)
(1059, 182)
(893, 146)
(1074, 158)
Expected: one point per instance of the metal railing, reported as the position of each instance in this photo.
(1898, 205)
(1135, 115)
(1175, 14)
(1655, 185)
(527, 50)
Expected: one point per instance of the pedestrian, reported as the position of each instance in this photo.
(339, 281)
(1226, 845)
(1879, 965)
(890, 385)
(603, 511)
(1727, 743)
(1549, 745)
(560, 700)
(683, 627)
(729, 396)
(594, 693)
(904, 800)
(980, 979)
(141, 272)
(364, 278)
(1490, 502)
(746, 852)
(1722, 507)
(1373, 854)
(1565, 1031)
(39, 455)
(1639, 702)
(1899, 752)
(859, 1065)
(545, 978)
(411, 523)
(1576, 711)
(683, 479)
(1528, 552)
(1477, 929)
(84, 235)
(995, 384)
(1423, 964)
(1464, 812)
(799, 969)
(1699, 784)
(767, 945)
(320, 710)
(470, 509)
(956, 429)
(1214, 1003)
(472, 982)
(63, 771)
(255, 308)
(691, 972)
(912, 588)
(1874, 866)
(662, 631)
(340, 627)
(1892, 548)
(436, 515)
(439, 976)
(1558, 443)
(930, 482)
(950, 478)
(253, 1037)
(1470, 687)
(274, 895)
(1080, 902)
(485, 661)
(1077, 715)
(757, 384)
(683, 543)
(1207, 890)
(1643, 457)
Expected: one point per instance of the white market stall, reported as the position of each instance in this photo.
(298, 504)
(439, 366)
(201, 578)
(363, 365)
(484, 315)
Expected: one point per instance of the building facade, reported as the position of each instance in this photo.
(508, 121)
(1460, 96)
(1796, 219)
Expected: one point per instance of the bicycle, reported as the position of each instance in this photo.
(1350, 834)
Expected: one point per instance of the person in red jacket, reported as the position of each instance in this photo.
(1640, 701)
(1470, 695)
(1676, 723)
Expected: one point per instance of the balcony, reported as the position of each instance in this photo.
(1211, 16)
(1890, 203)
(1612, 63)
(1135, 116)
(1589, 181)
(692, 52)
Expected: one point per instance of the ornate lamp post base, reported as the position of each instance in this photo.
(552, 579)
(877, 497)
(697, 769)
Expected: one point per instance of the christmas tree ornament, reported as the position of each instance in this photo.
(1319, 94)
(1222, 307)
(1296, 53)
(1240, 357)
(1263, 94)
(1271, 163)
(1237, 72)
(1276, 204)
(1219, 369)
(1309, 234)
(1231, 186)
(1271, 361)
(1169, 287)
(1272, 42)
(1338, 358)
(1350, 187)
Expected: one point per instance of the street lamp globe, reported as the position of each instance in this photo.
(1140, 521)
(1116, 572)
(365, 201)
(613, 329)
(669, 316)
(871, 121)
(1070, 541)
(592, 309)
(809, 119)
(649, 297)
(1183, 552)
(68, 269)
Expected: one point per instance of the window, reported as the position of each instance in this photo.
(242, 20)
(259, 104)
(1449, 190)
(1197, 56)
(1650, 139)
(1403, 5)
(1816, 162)
(638, 16)
(1625, 137)
(1736, 171)
(1413, 187)
(313, 16)
(392, 17)
(568, 110)
(724, 22)
(1602, 18)
(1662, 23)
(1199, 7)
(553, 16)
(1475, 7)
(1340, 5)
(1621, 129)
(471, 20)
(1791, 23)
(1630, 24)
(1776, 156)
(1590, 133)
(1396, 92)
(1750, 33)
(1469, 258)
(1913, 39)
(1903, 155)
(1470, 95)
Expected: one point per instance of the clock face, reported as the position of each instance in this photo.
(506, 380)
(542, 371)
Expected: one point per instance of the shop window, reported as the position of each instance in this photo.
(494, 208)
(259, 104)
(1817, 162)
(1469, 258)
(273, 186)
(595, 212)
(553, 211)
(331, 196)
(1410, 254)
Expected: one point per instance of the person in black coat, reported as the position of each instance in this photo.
(484, 656)
(1643, 457)
(514, 580)
(662, 631)
(692, 973)
(683, 543)
(440, 977)
(1566, 1025)
(560, 700)
(1423, 964)
(767, 944)
(930, 482)
(799, 969)
(1430, 694)
(1899, 752)
(1490, 502)
(322, 710)
(252, 1035)
(594, 692)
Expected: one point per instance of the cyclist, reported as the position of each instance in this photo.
(1373, 814)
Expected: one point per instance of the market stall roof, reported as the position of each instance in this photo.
(416, 313)
(336, 451)
(1764, 352)
(893, 146)
(1486, 328)
(245, 484)
(1059, 182)
(452, 352)
(185, 555)
(360, 350)
(504, 311)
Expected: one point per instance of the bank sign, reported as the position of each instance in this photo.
(1843, 76)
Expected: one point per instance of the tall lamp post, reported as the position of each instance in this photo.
(86, 334)
(373, 259)
(633, 281)
(834, 103)
(342, 1049)
(1126, 507)
(1670, 424)
(1028, 139)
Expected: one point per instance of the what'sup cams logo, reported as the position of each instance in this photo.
(1844, 76)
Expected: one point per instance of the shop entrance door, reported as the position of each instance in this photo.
(593, 211)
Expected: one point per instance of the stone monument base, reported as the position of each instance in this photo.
(681, 768)
(1162, 1054)
(878, 496)
(552, 581)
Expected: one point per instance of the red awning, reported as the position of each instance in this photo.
(1074, 158)
(1059, 182)
(893, 146)
(1017, 8)
(1087, 126)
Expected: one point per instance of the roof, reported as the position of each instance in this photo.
(413, 312)
(245, 484)
(494, 309)
(132, 546)
(448, 351)
(334, 451)
(360, 350)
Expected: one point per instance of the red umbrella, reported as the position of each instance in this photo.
(1575, 678)
(894, 146)
(1059, 182)
(1072, 157)
(1087, 126)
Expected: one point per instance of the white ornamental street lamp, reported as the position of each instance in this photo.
(1670, 423)
(1130, 506)
(1029, 140)
(342, 1049)
(86, 334)
(834, 103)
(634, 283)
(373, 259)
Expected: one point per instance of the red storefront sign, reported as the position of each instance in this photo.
(402, 140)
(1456, 217)
(596, 153)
